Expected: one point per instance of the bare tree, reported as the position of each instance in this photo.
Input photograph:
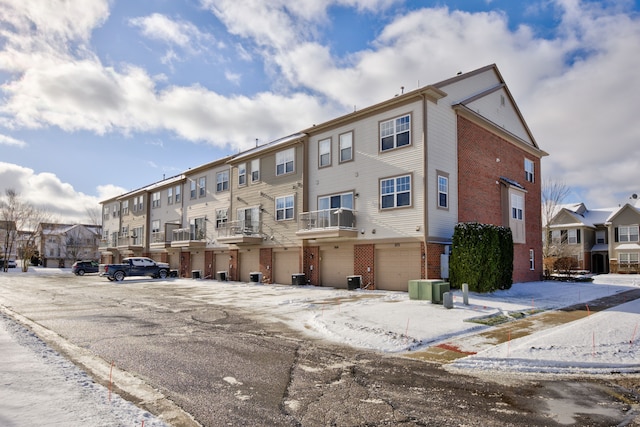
(20, 220)
(553, 195)
(94, 215)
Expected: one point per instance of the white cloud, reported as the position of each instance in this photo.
(7, 140)
(46, 191)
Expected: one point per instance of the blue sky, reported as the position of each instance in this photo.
(98, 97)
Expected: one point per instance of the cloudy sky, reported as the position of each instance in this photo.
(98, 97)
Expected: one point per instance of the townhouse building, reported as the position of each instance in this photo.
(374, 194)
(599, 240)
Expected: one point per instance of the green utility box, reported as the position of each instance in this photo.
(439, 290)
(423, 289)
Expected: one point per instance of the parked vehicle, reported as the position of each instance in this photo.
(10, 263)
(135, 266)
(79, 268)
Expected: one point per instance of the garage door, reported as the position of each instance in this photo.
(249, 262)
(197, 262)
(335, 265)
(396, 266)
(285, 263)
(222, 262)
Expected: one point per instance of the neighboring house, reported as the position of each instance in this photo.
(600, 240)
(375, 193)
(8, 240)
(60, 245)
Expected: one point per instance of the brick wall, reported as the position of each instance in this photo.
(311, 264)
(234, 274)
(266, 264)
(363, 258)
(482, 159)
(432, 254)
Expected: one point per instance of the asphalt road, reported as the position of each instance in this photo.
(217, 365)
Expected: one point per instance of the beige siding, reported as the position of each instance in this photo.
(396, 266)
(498, 108)
(335, 265)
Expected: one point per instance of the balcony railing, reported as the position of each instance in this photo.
(327, 223)
(130, 241)
(239, 228)
(183, 234)
(327, 218)
(158, 237)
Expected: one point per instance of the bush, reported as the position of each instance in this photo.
(482, 256)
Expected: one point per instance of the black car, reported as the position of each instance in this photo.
(79, 268)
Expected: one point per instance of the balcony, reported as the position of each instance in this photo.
(327, 224)
(130, 242)
(241, 232)
(159, 241)
(188, 238)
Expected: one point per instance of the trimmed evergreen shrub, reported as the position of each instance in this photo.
(482, 256)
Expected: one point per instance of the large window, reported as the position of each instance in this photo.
(125, 207)
(573, 236)
(324, 152)
(285, 161)
(222, 181)
(169, 196)
(178, 196)
(255, 170)
(222, 216)
(193, 191)
(249, 219)
(197, 229)
(395, 192)
(242, 174)
(395, 133)
(443, 191)
(629, 258)
(346, 147)
(529, 170)
(336, 201)
(517, 207)
(628, 233)
(284, 208)
(155, 199)
(202, 186)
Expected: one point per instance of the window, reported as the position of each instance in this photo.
(395, 192)
(115, 212)
(284, 208)
(125, 207)
(255, 170)
(324, 153)
(137, 237)
(222, 181)
(178, 190)
(249, 219)
(193, 191)
(517, 207)
(155, 199)
(629, 258)
(573, 237)
(600, 237)
(628, 233)
(346, 147)
(169, 196)
(336, 201)
(138, 204)
(443, 191)
(155, 226)
(105, 212)
(395, 133)
(532, 264)
(528, 170)
(285, 161)
(202, 186)
(222, 216)
(196, 229)
(242, 174)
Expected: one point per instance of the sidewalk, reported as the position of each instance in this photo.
(40, 387)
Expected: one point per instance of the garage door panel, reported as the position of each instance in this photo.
(285, 264)
(249, 262)
(395, 267)
(335, 266)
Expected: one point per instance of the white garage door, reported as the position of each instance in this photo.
(249, 262)
(396, 266)
(197, 262)
(335, 265)
(285, 264)
(222, 263)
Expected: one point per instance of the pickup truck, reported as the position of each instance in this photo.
(134, 266)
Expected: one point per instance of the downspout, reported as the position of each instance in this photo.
(425, 159)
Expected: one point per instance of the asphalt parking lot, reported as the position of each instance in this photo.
(220, 364)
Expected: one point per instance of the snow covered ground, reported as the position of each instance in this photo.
(36, 383)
